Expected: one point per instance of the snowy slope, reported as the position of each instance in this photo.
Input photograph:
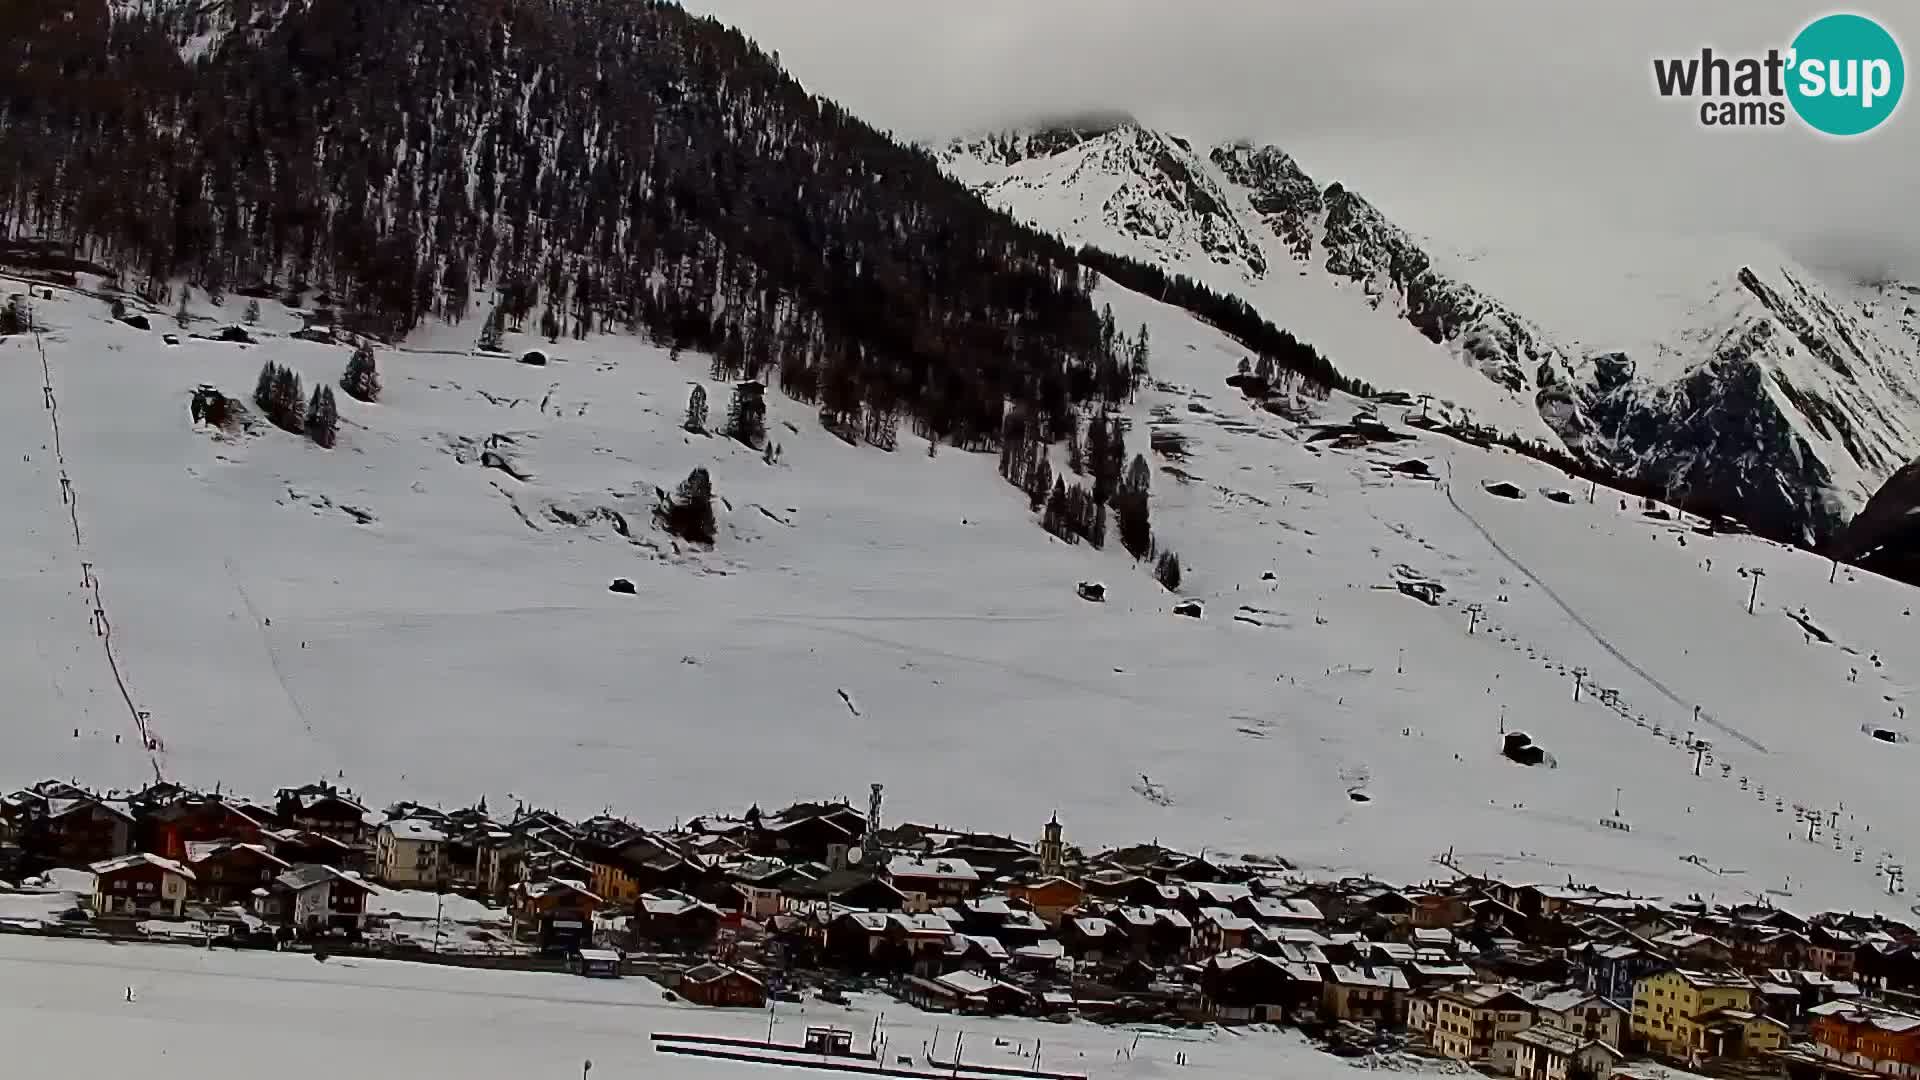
(397, 614)
(1726, 370)
(198, 28)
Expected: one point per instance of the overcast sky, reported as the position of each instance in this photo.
(1477, 121)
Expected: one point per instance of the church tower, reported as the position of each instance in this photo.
(1052, 850)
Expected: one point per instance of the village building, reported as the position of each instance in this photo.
(141, 885)
(1699, 1015)
(1249, 987)
(1049, 898)
(410, 853)
(673, 922)
(721, 986)
(324, 809)
(315, 900)
(1477, 1024)
(168, 828)
(872, 942)
(1546, 1052)
(1584, 1014)
(965, 992)
(931, 882)
(228, 871)
(1866, 1037)
(1365, 993)
(556, 913)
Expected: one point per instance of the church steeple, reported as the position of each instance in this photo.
(1052, 849)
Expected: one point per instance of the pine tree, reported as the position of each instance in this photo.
(286, 402)
(253, 312)
(1097, 457)
(323, 417)
(1140, 355)
(747, 414)
(1167, 571)
(696, 420)
(1056, 518)
(1130, 509)
(491, 333)
(1039, 480)
(1076, 461)
(263, 389)
(689, 514)
(362, 378)
(1097, 533)
(181, 317)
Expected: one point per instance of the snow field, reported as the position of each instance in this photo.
(461, 641)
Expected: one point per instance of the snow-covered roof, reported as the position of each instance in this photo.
(1432, 936)
(991, 946)
(670, 904)
(1560, 1001)
(307, 876)
(990, 905)
(1552, 1039)
(1297, 909)
(417, 830)
(1045, 949)
(600, 956)
(1443, 971)
(1380, 977)
(938, 868)
(139, 858)
(1223, 895)
(972, 985)
(1093, 928)
(1226, 920)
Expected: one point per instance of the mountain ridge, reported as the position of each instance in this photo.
(1781, 398)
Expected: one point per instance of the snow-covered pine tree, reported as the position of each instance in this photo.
(696, 420)
(362, 378)
(1130, 504)
(323, 417)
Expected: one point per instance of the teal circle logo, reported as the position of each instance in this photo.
(1847, 75)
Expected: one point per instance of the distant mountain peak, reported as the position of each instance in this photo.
(1765, 391)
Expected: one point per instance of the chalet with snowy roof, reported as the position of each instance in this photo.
(324, 809)
(930, 881)
(1049, 898)
(889, 943)
(1219, 930)
(976, 952)
(671, 921)
(170, 829)
(300, 847)
(1247, 987)
(642, 863)
(1091, 938)
(720, 986)
(1866, 1038)
(411, 853)
(1364, 993)
(851, 889)
(1832, 950)
(808, 831)
(1582, 1013)
(965, 992)
(59, 824)
(556, 913)
(314, 901)
(228, 871)
(141, 885)
(1546, 1052)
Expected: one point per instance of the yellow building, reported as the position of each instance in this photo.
(1699, 1015)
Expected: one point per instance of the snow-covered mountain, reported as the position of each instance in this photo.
(200, 27)
(424, 612)
(1764, 389)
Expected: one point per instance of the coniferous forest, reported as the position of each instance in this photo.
(566, 167)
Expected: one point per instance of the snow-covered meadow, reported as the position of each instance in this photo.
(195, 1010)
(396, 614)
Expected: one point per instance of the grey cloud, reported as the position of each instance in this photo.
(1494, 118)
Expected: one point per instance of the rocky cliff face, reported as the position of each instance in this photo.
(1779, 397)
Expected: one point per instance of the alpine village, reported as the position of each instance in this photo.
(1538, 980)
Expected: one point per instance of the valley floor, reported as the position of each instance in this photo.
(195, 1011)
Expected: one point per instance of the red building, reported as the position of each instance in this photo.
(171, 828)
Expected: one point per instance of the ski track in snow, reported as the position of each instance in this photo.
(1598, 637)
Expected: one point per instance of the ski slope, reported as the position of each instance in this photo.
(394, 614)
(197, 1011)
